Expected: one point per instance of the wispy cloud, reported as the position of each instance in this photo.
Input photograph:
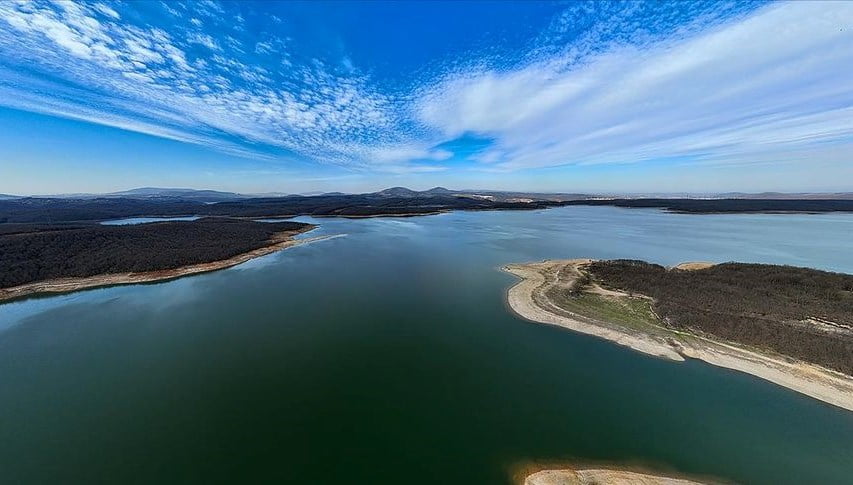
(776, 80)
(205, 40)
(129, 76)
(605, 83)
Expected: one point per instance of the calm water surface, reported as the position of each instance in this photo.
(145, 220)
(388, 356)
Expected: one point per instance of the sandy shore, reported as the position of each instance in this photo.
(281, 240)
(601, 477)
(528, 299)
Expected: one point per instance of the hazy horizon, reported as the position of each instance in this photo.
(254, 97)
(426, 188)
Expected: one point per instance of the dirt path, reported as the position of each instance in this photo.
(529, 299)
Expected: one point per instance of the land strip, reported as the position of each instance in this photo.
(565, 293)
(727, 206)
(169, 268)
(595, 476)
(392, 202)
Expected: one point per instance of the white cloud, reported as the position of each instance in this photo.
(740, 91)
(169, 9)
(390, 154)
(264, 47)
(780, 78)
(144, 77)
(205, 40)
(106, 10)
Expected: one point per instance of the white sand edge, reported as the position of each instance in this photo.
(812, 380)
(280, 241)
(520, 299)
(601, 477)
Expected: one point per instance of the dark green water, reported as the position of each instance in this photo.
(388, 357)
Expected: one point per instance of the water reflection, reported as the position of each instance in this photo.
(388, 356)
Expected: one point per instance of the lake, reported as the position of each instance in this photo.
(389, 356)
(145, 220)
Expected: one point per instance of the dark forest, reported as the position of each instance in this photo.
(800, 312)
(29, 254)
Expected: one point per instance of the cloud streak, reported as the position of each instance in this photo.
(157, 82)
(774, 81)
(603, 84)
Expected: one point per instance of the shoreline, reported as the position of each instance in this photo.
(527, 299)
(592, 472)
(279, 241)
(601, 476)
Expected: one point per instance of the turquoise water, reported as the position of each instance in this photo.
(145, 220)
(388, 356)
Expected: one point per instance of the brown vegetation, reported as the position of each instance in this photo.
(43, 252)
(803, 313)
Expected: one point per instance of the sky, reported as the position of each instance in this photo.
(257, 97)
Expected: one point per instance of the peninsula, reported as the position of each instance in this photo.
(791, 326)
(61, 258)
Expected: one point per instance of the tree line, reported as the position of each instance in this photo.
(87, 250)
(760, 305)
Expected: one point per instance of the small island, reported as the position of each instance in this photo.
(54, 258)
(791, 326)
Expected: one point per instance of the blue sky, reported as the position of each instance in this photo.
(296, 97)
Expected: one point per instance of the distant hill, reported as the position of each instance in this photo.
(185, 194)
(407, 192)
(268, 194)
(397, 192)
(437, 191)
(395, 200)
(8, 197)
(50, 210)
(398, 200)
(151, 193)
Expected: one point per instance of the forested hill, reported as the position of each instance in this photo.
(52, 210)
(395, 201)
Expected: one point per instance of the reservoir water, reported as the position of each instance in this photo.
(388, 356)
(146, 220)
